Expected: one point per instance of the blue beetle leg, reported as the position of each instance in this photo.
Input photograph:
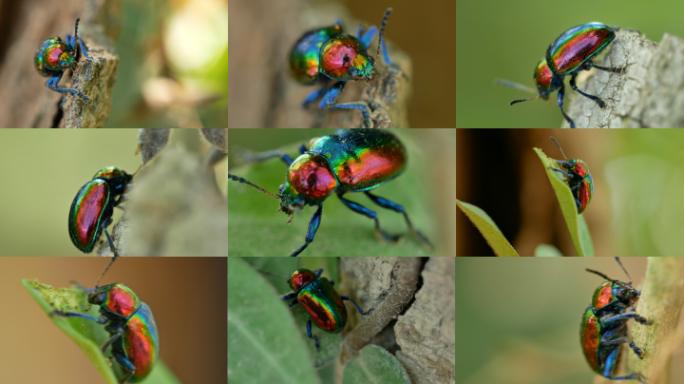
(608, 320)
(633, 376)
(318, 272)
(125, 364)
(250, 157)
(83, 48)
(559, 171)
(614, 69)
(561, 94)
(329, 102)
(293, 302)
(358, 208)
(367, 38)
(54, 80)
(111, 244)
(289, 296)
(398, 208)
(314, 223)
(100, 320)
(315, 94)
(302, 149)
(356, 305)
(626, 340)
(601, 103)
(308, 332)
(115, 337)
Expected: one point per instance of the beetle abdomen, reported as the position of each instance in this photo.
(86, 213)
(304, 57)
(323, 305)
(577, 45)
(590, 335)
(141, 342)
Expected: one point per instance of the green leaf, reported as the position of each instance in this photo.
(488, 229)
(88, 335)
(264, 342)
(255, 228)
(375, 366)
(579, 232)
(547, 250)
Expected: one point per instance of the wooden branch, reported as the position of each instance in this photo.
(650, 94)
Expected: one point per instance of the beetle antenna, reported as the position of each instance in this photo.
(241, 180)
(382, 30)
(623, 268)
(511, 84)
(273, 274)
(136, 171)
(562, 153)
(611, 280)
(97, 283)
(521, 100)
(76, 29)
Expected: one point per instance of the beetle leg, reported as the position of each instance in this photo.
(316, 93)
(126, 365)
(358, 208)
(116, 336)
(290, 296)
(601, 103)
(614, 69)
(367, 40)
(624, 340)
(308, 332)
(249, 156)
(398, 208)
(608, 320)
(54, 81)
(109, 239)
(100, 320)
(561, 94)
(356, 305)
(314, 223)
(329, 102)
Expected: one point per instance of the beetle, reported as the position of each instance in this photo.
(92, 209)
(329, 57)
(578, 178)
(320, 302)
(351, 160)
(573, 51)
(603, 329)
(56, 56)
(134, 333)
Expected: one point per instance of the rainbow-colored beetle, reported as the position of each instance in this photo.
(319, 300)
(56, 56)
(129, 321)
(603, 330)
(327, 54)
(572, 52)
(578, 178)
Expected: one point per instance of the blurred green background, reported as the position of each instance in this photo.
(636, 209)
(173, 69)
(506, 39)
(517, 320)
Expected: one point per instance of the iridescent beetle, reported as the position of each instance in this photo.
(572, 52)
(129, 321)
(92, 209)
(604, 326)
(56, 56)
(327, 54)
(351, 160)
(578, 178)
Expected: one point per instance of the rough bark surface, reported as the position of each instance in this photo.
(262, 94)
(649, 94)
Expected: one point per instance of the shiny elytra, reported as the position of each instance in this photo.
(319, 300)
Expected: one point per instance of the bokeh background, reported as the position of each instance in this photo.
(506, 39)
(636, 208)
(186, 295)
(517, 320)
(430, 204)
(43, 170)
(262, 32)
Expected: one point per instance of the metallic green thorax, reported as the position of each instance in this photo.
(53, 56)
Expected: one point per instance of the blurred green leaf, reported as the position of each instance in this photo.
(88, 335)
(375, 366)
(488, 229)
(579, 232)
(264, 344)
(547, 250)
(255, 228)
